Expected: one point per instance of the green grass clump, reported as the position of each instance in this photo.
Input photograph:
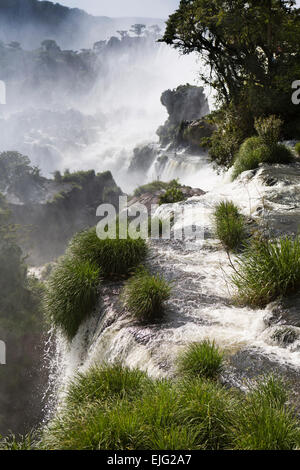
(144, 295)
(264, 422)
(297, 148)
(72, 292)
(116, 257)
(267, 270)
(133, 412)
(201, 360)
(104, 383)
(229, 225)
(255, 151)
(212, 408)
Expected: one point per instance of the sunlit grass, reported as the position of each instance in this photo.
(145, 295)
(229, 225)
(267, 270)
(72, 292)
(116, 257)
(202, 359)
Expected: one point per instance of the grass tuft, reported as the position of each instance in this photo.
(297, 148)
(116, 257)
(72, 292)
(267, 270)
(104, 383)
(229, 225)
(201, 360)
(133, 412)
(144, 295)
(264, 422)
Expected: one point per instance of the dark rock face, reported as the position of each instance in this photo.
(143, 157)
(284, 312)
(152, 198)
(186, 106)
(185, 103)
(53, 211)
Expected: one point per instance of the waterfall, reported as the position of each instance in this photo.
(191, 170)
(200, 306)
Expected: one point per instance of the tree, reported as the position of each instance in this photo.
(138, 29)
(123, 34)
(155, 29)
(50, 45)
(250, 47)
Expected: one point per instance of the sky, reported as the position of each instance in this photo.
(117, 8)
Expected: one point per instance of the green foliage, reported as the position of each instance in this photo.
(229, 225)
(297, 148)
(104, 383)
(211, 408)
(251, 51)
(264, 421)
(144, 295)
(254, 151)
(22, 329)
(172, 195)
(267, 270)
(77, 177)
(22, 443)
(201, 360)
(116, 257)
(16, 172)
(114, 408)
(232, 127)
(152, 187)
(72, 292)
(269, 129)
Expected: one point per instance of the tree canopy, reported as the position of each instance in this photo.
(252, 48)
(250, 51)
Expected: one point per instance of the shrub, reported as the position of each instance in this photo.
(72, 294)
(264, 422)
(297, 148)
(116, 257)
(104, 383)
(254, 151)
(201, 360)
(152, 187)
(268, 129)
(229, 225)
(144, 295)
(267, 270)
(173, 194)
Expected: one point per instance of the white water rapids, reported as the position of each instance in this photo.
(200, 306)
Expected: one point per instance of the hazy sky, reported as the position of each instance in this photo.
(151, 8)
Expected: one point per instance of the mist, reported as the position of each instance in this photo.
(91, 120)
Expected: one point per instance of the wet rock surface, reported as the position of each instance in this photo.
(255, 342)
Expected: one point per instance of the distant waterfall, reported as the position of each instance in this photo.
(191, 170)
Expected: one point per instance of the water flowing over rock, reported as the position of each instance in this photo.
(200, 306)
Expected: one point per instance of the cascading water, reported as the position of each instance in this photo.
(191, 170)
(200, 306)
